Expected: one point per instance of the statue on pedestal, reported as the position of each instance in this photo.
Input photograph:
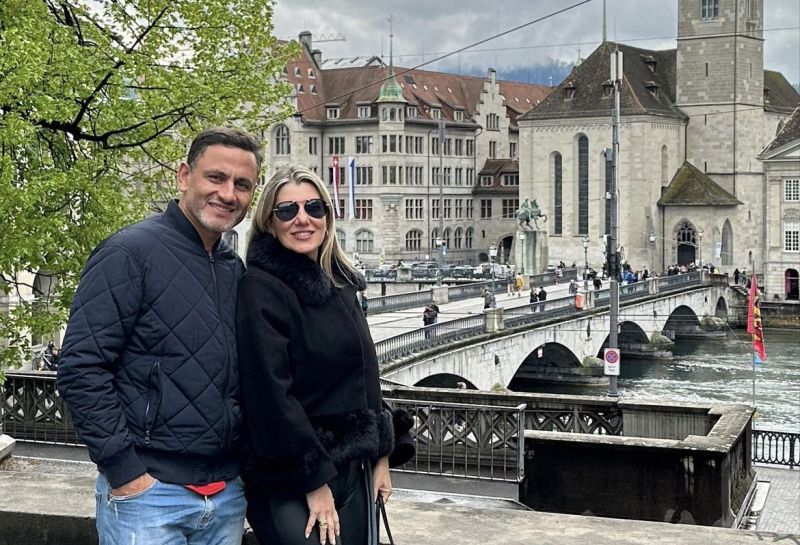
(529, 211)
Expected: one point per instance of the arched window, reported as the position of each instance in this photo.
(434, 236)
(282, 145)
(664, 165)
(457, 238)
(686, 238)
(726, 252)
(583, 185)
(558, 194)
(468, 237)
(414, 240)
(446, 237)
(365, 243)
(342, 239)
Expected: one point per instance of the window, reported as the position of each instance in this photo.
(436, 113)
(300, 89)
(313, 148)
(336, 145)
(468, 236)
(330, 175)
(435, 175)
(447, 146)
(459, 146)
(458, 115)
(470, 148)
(332, 112)
(486, 181)
(434, 236)
(364, 241)
(492, 149)
(583, 185)
(363, 175)
(364, 211)
(363, 144)
(342, 238)
(414, 209)
(510, 207)
(435, 208)
(297, 72)
(447, 208)
(512, 150)
(558, 188)
(709, 9)
(469, 208)
(414, 240)
(791, 237)
(446, 237)
(459, 208)
(311, 74)
(411, 112)
(417, 175)
(434, 145)
(364, 111)
(486, 208)
(791, 190)
(390, 175)
(510, 179)
(457, 238)
(470, 176)
(282, 143)
(313, 89)
(492, 122)
(459, 176)
(418, 144)
(447, 175)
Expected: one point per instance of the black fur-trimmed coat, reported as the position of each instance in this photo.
(311, 398)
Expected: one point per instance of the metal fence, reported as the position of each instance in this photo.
(463, 440)
(632, 291)
(678, 281)
(535, 312)
(776, 447)
(400, 301)
(467, 291)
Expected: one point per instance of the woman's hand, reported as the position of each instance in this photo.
(322, 511)
(381, 480)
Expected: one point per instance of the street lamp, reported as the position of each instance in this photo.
(439, 249)
(492, 255)
(585, 242)
(523, 256)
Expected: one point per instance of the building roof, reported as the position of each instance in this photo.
(648, 86)
(690, 187)
(358, 84)
(495, 167)
(779, 95)
(789, 133)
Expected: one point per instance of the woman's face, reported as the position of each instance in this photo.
(303, 233)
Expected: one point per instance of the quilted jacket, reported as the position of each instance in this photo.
(148, 365)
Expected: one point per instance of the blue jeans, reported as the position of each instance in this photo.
(170, 514)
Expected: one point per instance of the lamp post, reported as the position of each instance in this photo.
(492, 255)
(523, 257)
(439, 248)
(585, 242)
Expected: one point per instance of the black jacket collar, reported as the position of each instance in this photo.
(177, 218)
(306, 278)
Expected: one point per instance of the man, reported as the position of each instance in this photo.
(519, 283)
(148, 364)
(573, 287)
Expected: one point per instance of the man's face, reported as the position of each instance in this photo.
(216, 193)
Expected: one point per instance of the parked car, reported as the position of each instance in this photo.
(384, 271)
(484, 271)
(462, 271)
(428, 269)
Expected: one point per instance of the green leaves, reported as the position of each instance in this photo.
(98, 102)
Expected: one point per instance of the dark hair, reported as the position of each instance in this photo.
(225, 136)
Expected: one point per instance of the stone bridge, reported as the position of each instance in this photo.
(567, 347)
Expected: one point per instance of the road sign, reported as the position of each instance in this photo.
(611, 361)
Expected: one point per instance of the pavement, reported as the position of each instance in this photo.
(389, 324)
(781, 512)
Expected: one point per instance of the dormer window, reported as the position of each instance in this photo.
(569, 91)
(364, 112)
(411, 112)
(766, 94)
(652, 87)
(650, 61)
(332, 112)
(436, 113)
(608, 88)
(487, 181)
(458, 115)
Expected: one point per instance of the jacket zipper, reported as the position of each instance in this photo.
(154, 387)
(226, 431)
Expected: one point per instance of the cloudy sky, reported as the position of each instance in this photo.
(426, 29)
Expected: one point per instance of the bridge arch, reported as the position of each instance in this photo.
(630, 333)
(721, 310)
(445, 380)
(683, 318)
(543, 362)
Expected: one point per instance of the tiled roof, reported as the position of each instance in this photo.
(789, 132)
(780, 96)
(648, 86)
(360, 85)
(690, 187)
(496, 168)
(499, 166)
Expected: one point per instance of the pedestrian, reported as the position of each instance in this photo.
(316, 437)
(542, 295)
(573, 287)
(148, 366)
(559, 274)
(510, 283)
(736, 274)
(364, 302)
(519, 283)
(598, 283)
(488, 298)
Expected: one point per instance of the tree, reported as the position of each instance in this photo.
(98, 101)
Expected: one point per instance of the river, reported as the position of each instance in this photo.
(720, 370)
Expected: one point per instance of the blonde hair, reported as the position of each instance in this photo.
(330, 255)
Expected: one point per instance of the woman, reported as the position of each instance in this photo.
(317, 439)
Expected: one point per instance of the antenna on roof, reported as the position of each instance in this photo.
(391, 39)
(604, 21)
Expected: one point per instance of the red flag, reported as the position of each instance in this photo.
(754, 326)
(336, 181)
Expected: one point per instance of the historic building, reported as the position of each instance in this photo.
(389, 128)
(782, 212)
(693, 122)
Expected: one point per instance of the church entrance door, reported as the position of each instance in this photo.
(687, 244)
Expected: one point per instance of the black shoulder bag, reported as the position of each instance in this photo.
(381, 515)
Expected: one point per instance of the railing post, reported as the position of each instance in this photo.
(652, 286)
(494, 319)
(441, 295)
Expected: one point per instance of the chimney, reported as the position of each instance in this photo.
(317, 55)
(492, 76)
(305, 39)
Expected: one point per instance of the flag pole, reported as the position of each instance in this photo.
(754, 379)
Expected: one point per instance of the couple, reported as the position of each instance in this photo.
(172, 411)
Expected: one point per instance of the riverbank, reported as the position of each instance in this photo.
(784, 314)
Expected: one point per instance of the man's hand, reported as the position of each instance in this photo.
(140, 483)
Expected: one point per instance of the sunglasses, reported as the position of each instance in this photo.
(286, 211)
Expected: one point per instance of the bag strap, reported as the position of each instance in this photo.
(382, 515)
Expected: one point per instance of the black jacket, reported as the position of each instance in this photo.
(148, 365)
(311, 396)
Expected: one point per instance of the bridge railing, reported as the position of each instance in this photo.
(678, 281)
(467, 291)
(400, 301)
(534, 312)
(776, 447)
(430, 337)
(632, 291)
(483, 442)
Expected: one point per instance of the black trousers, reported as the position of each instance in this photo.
(283, 521)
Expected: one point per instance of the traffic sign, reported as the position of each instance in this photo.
(611, 361)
